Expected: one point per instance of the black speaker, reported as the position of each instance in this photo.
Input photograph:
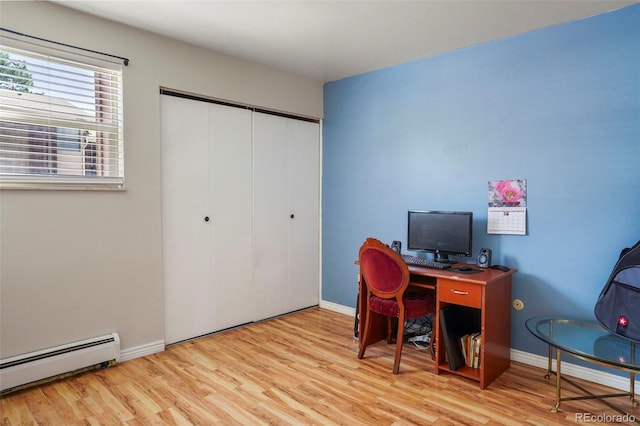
(396, 246)
(484, 258)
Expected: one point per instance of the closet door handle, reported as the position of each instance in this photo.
(292, 216)
(206, 218)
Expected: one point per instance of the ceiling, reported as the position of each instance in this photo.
(329, 40)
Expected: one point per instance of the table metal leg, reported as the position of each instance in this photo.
(556, 407)
(588, 395)
(632, 377)
(549, 359)
(632, 390)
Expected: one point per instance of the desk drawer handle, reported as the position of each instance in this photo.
(462, 293)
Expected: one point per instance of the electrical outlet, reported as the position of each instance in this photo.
(517, 304)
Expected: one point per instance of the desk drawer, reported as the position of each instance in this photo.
(460, 293)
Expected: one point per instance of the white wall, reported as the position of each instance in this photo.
(76, 264)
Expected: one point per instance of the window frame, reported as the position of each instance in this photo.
(110, 174)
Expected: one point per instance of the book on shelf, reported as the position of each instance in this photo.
(458, 324)
(470, 346)
(475, 361)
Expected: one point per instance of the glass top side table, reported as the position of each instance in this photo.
(590, 342)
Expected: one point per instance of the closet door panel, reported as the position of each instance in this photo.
(303, 187)
(231, 223)
(185, 204)
(271, 216)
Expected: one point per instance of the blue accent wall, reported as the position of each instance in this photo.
(559, 107)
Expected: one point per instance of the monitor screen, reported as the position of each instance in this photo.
(440, 232)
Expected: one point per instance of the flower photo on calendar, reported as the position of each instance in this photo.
(507, 207)
(508, 193)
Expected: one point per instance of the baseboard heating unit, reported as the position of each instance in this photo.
(61, 361)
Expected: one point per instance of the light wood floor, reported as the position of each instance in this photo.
(295, 370)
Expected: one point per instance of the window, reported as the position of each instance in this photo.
(60, 120)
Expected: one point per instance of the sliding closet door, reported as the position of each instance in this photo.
(286, 164)
(231, 233)
(304, 201)
(185, 203)
(206, 222)
(271, 216)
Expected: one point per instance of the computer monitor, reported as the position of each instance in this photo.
(442, 233)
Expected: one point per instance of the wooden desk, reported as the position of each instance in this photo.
(488, 290)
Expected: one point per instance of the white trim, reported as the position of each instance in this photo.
(341, 309)
(596, 376)
(141, 351)
(574, 370)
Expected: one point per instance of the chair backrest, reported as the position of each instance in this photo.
(383, 270)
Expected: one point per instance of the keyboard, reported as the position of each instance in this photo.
(419, 261)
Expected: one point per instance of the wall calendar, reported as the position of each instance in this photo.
(507, 207)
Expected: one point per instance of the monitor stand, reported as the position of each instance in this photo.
(443, 258)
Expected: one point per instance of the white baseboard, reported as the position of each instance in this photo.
(573, 370)
(140, 351)
(330, 306)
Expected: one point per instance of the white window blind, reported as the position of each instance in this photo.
(60, 121)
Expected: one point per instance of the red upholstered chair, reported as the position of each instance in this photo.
(386, 276)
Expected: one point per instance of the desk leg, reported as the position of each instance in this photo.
(555, 408)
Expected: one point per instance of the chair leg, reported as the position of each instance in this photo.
(364, 338)
(399, 343)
